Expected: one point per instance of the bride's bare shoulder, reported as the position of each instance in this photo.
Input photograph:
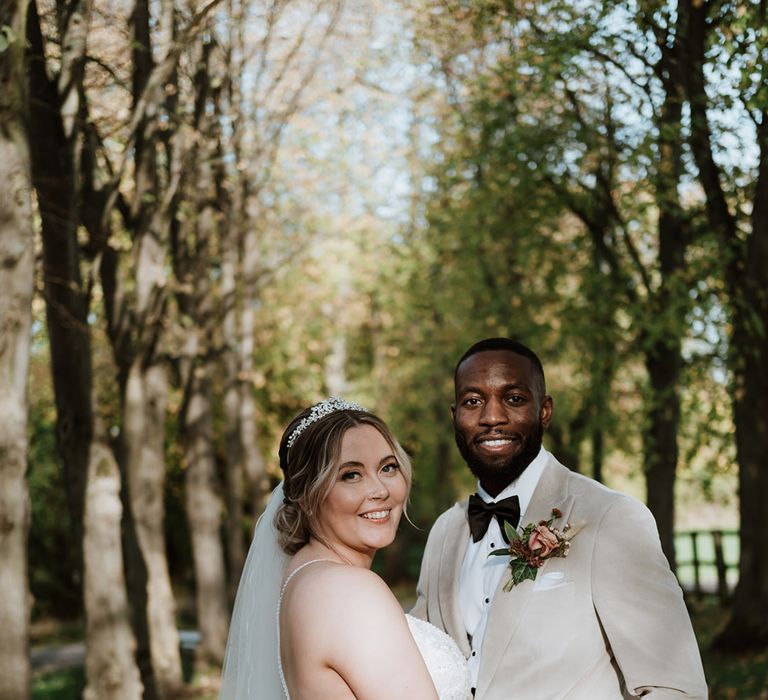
(334, 580)
(346, 618)
(329, 591)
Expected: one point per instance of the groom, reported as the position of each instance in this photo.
(607, 621)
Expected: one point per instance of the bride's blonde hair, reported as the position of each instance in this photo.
(310, 465)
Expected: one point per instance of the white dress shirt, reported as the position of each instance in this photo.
(481, 575)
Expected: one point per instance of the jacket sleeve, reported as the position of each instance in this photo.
(429, 562)
(641, 607)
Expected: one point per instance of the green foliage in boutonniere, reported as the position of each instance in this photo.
(530, 548)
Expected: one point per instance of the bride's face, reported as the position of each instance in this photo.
(362, 511)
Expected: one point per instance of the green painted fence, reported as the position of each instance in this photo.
(708, 562)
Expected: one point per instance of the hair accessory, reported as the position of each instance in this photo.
(320, 410)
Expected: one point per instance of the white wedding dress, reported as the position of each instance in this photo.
(442, 657)
(444, 660)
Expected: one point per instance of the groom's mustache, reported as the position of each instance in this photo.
(496, 434)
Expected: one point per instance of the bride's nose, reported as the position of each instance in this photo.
(379, 490)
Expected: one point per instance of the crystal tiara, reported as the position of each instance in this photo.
(319, 410)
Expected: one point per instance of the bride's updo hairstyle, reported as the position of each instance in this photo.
(310, 464)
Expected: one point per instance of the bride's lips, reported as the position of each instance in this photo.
(377, 516)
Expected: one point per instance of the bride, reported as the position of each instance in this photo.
(311, 619)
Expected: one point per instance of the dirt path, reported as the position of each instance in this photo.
(60, 657)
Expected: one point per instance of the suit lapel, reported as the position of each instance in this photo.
(507, 607)
(455, 545)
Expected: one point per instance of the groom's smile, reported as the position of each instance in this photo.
(495, 443)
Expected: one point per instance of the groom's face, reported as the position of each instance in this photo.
(499, 416)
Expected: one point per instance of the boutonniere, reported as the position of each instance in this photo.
(531, 547)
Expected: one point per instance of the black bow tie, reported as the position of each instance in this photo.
(479, 514)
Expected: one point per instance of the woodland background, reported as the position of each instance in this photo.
(213, 214)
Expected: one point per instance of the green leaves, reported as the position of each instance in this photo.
(521, 571)
(511, 532)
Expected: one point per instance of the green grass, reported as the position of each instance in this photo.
(59, 685)
(69, 685)
(729, 676)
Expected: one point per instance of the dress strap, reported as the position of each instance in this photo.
(279, 604)
(296, 571)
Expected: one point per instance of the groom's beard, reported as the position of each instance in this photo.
(495, 476)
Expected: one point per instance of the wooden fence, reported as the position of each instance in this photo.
(704, 560)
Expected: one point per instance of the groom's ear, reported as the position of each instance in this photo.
(545, 411)
(453, 411)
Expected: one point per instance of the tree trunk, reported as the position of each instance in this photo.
(110, 664)
(203, 504)
(255, 467)
(136, 580)
(602, 298)
(748, 626)
(111, 672)
(119, 329)
(17, 260)
(746, 279)
(144, 380)
(193, 241)
(564, 443)
(144, 415)
(234, 468)
(660, 441)
(204, 517)
(66, 301)
(598, 454)
(336, 383)
(663, 358)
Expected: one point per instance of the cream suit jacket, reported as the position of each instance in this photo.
(613, 624)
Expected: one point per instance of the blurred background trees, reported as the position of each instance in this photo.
(17, 280)
(240, 208)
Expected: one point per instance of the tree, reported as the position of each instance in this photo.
(69, 161)
(110, 663)
(283, 70)
(91, 475)
(193, 245)
(552, 123)
(727, 40)
(55, 128)
(17, 280)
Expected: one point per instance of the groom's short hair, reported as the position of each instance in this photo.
(510, 345)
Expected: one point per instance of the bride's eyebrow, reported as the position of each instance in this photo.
(354, 463)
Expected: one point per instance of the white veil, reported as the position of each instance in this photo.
(250, 664)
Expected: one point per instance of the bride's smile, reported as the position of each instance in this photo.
(379, 516)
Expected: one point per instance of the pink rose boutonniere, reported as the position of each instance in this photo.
(531, 547)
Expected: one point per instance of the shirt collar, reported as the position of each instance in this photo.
(524, 486)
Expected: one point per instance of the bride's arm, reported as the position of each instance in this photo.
(359, 629)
